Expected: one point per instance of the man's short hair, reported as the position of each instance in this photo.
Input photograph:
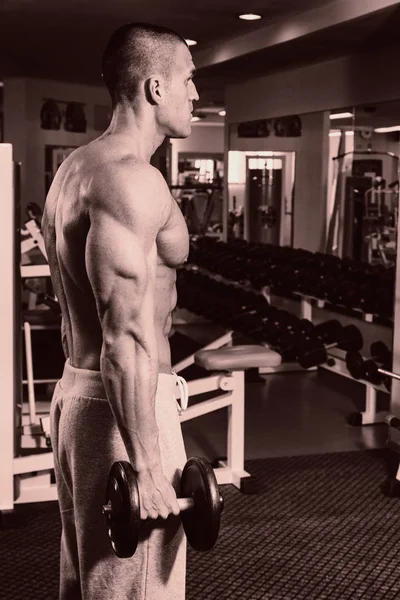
(135, 51)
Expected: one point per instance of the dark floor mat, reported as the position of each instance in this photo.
(319, 529)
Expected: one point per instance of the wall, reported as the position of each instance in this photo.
(23, 99)
(15, 119)
(318, 88)
(204, 138)
(347, 81)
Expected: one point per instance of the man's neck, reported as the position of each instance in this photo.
(139, 130)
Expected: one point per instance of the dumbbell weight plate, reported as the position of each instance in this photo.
(201, 524)
(380, 352)
(299, 329)
(311, 353)
(350, 338)
(355, 364)
(123, 516)
(328, 331)
(372, 373)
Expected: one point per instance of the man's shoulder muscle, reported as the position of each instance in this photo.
(130, 189)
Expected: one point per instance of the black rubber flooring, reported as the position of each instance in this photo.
(320, 528)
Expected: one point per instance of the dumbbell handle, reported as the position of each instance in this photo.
(389, 374)
(188, 503)
(184, 505)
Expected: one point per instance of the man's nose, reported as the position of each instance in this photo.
(195, 95)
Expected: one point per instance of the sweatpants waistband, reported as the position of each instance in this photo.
(85, 382)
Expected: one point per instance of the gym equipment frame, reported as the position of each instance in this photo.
(233, 399)
(23, 478)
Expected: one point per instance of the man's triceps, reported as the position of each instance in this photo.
(121, 276)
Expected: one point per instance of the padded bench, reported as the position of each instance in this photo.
(237, 358)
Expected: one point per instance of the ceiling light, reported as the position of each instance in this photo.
(191, 42)
(211, 110)
(250, 17)
(338, 133)
(222, 113)
(387, 129)
(343, 115)
(198, 116)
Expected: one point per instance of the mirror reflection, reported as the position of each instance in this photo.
(363, 188)
(198, 189)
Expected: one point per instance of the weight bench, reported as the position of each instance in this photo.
(227, 366)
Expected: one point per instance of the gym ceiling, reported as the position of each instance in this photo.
(63, 39)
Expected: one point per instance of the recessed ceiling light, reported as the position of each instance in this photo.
(191, 42)
(337, 133)
(343, 115)
(387, 129)
(222, 113)
(250, 17)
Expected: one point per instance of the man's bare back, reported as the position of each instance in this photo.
(87, 182)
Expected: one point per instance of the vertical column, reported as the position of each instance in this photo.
(311, 173)
(225, 197)
(236, 418)
(7, 338)
(394, 434)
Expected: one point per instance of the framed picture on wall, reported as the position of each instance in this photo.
(54, 156)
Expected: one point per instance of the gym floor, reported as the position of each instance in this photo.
(328, 531)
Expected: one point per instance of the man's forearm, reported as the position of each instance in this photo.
(130, 376)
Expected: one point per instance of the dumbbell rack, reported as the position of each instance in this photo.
(371, 415)
(308, 302)
(185, 317)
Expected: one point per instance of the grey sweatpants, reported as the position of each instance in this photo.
(86, 442)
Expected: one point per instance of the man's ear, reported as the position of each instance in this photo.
(153, 90)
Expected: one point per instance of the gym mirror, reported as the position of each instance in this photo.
(363, 188)
(198, 188)
(276, 178)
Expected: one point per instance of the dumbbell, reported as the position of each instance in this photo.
(286, 330)
(326, 333)
(359, 368)
(201, 506)
(313, 352)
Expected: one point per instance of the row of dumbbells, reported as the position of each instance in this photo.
(297, 340)
(249, 313)
(341, 282)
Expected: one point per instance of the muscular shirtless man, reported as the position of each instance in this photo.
(114, 237)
